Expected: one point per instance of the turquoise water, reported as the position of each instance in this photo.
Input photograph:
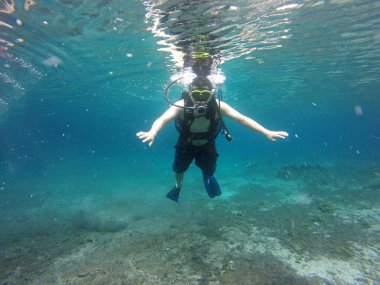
(82, 200)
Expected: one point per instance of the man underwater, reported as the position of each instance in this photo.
(198, 117)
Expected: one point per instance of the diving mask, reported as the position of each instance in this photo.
(200, 95)
(200, 99)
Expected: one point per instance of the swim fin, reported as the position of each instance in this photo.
(212, 186)
(174, 194)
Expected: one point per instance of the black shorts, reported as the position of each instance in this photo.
(205, 157)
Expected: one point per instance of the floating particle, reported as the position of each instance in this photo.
(19, 22)
(314, 104)
(7, 65)
(110, 73)
(296, 136)
(232, 8)
(20, 40)
(52, 61)
(129, 55)
(358, 110)
(119, 19)
(114, 28)
(149, 64)
(45, 22)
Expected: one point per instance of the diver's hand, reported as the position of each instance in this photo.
(147, 137)
(273, 136)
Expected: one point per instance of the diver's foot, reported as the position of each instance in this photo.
(174, 194)
(212, 186)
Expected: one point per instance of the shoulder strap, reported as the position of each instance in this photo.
(183, 125)
(215, 119)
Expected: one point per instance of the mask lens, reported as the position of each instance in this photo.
(201, 95)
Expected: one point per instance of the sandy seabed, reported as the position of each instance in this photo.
(296, 224)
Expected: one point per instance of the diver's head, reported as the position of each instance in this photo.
(201, 92)
(202, 63)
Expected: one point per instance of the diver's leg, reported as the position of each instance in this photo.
(179, 179)
(182, 160)
(206, 160)
(174, 193)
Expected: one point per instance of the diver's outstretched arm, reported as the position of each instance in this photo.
(165, 118)
(252, 124)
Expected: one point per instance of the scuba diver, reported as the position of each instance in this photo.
(199, 119)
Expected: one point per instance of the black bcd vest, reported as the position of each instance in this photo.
(212, 113)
